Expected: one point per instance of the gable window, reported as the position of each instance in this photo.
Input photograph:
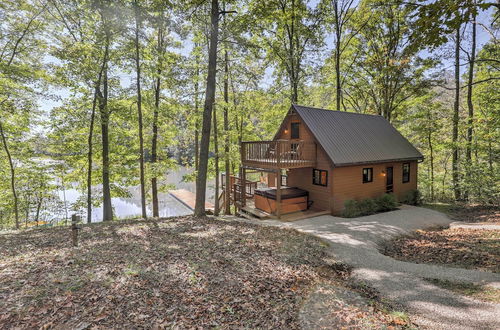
(406, 172)
(367, 174)
(320, 177)
(294, 130)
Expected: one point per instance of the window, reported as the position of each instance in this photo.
(406, 172)
(367, 174)
(294, 128)
(284, 180)
(320, 177)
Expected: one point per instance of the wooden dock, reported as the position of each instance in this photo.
(189, 199)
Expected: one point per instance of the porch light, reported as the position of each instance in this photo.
(383, 173)
(286, 131)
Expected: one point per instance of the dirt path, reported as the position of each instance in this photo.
(355, 242)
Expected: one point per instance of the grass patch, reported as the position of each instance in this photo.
(480, 292)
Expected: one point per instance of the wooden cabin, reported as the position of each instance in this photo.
(321, 158)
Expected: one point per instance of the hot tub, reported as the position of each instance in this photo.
(293, 199)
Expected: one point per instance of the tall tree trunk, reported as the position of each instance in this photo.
(227, 191)
(38, 207)
(104, 111)
(196, 123)
(470, 106)
(12, 175)
(201, 179)
(91, 136)
(90, 156)
(139, 109)
(431, 155)
(154, 142)
(337, 55)
(456, 108)
(216, 159)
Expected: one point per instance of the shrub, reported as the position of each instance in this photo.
(351, 209)
(386, 202)
(367, 206)
(412, 197)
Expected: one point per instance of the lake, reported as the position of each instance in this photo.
(131, 207)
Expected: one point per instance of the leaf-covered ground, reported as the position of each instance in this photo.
(178, 272)
(466, 248)
(469, 213)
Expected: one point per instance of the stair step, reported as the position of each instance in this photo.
(256, 213)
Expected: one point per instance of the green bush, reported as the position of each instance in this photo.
(367, 206)
(386, 202)
(351, 209)
(412, 197)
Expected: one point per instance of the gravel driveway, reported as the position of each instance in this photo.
(355, 241)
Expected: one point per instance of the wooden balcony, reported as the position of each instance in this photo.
(279, 154)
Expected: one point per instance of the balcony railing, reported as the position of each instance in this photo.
(278, 154)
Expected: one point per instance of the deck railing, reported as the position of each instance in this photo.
(278, 154)
(250, 186)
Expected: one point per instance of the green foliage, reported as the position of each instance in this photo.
(275, 49)
(353, 208)
(386, 202)
(367, 206)
(412, 197)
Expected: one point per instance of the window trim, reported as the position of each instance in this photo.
(319, 172)
(370, 170)
(403, 173)
(298, 130)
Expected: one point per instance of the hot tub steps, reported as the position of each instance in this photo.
(255, 213)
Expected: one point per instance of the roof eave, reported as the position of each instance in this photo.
(378, 161)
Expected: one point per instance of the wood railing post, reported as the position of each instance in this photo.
(278, 153)
(278, 194)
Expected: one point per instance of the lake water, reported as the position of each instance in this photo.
(131, 207)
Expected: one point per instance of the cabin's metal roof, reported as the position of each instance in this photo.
(351, 138)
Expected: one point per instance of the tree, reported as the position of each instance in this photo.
(456, 110)
(470, 104)
(19, 68)
(389, 69)
(287, 29)
(201, 179)
(137, 15)
(342, 16)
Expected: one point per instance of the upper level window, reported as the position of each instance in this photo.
(294, 130)
(367, 174)
(320, 177)
(406, 172)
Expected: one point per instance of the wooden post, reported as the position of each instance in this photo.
(278, 194)
(74, 229)
(243, 187)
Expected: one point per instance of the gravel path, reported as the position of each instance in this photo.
(355, 242)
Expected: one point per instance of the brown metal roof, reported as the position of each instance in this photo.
(351, 138)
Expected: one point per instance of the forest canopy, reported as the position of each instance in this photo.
(102, 95)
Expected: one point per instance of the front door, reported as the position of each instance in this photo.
(389, 180)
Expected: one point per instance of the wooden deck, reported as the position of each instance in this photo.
(250, 210)
(189, 199)
(278, 154)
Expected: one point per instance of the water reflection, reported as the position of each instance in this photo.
(131, 207)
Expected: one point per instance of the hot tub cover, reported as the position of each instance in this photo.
(286, 192)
